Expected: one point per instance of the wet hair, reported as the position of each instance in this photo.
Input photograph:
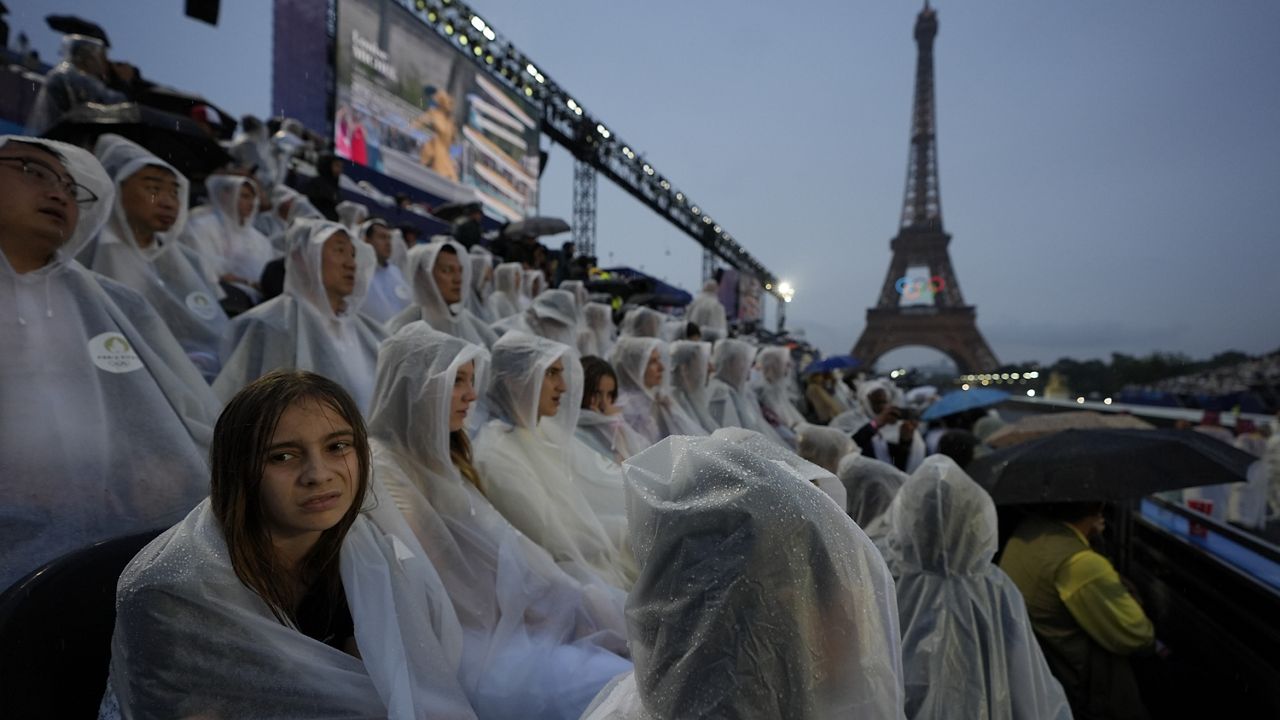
(446, 248)
(958, 445)
(460, 455)
(594, 370)
(237, 459)
(692, 331)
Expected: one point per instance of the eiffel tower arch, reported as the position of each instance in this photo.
(927, 307)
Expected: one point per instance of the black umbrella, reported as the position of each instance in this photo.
(449, 212)
(177, 140)
(536, 226)
(72, 25)
(1107, 465)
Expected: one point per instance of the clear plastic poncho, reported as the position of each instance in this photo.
(389, 292)
(651, 411)
(300, 330)
(191, 640)
(579, 291)
(968, 650)
(609, 435)
(552, 315)
(870, 486)
(508, 281)
(690, 381)
(537, 643)
(65, 86)
(104, 422)
(534, 284)
(225, 244)
(643, 322)
(823, 446)
(481, 286)
(428, 303)
(168, 274)
(757, 598)
(597, 333)
(352, 214)
(777, 378)
(706, 310)
(527, 463)
(732, 404)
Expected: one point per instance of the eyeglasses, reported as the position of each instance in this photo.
(49, 179)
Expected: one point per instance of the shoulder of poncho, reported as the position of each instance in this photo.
(276, 314)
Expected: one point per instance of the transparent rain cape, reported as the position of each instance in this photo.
(389, 292)
(652, 412)
(552, 315)
(690, 370)
(527, 465)
(428, 303)
(537, 643)
(168, 274)
(508, 278)
(104, 422)
(225, 244)
(706, 310)
(731, 403)
(597, 333)
(300, 330)
(757, 597)
(968, 649)
(191, 640)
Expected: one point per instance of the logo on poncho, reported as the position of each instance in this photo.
(201, 305)
(402, 292)
(110, 351)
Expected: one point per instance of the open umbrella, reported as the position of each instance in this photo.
(177, 140)
(535, 226)
(959, 401)
(1035, 426)
(835, 362)
(1107, 465)
(449, 212)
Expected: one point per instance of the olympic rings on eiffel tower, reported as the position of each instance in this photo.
(920, 288)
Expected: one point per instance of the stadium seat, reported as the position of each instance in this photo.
(55, 632)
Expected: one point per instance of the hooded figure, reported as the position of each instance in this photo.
(526, 456)
(389, 294)
(823, 446)
(731, 403)
(706, 310)
(877, 440)
(106, 424)
(690, 378)
(165, 272)
(968, 649)
(481, 286)
(230, 247)
(644, 393)
(643, 322)
(287, 207)
(426, 270)
(774, 390)
(508, 282)
(870, 486)
(352, 214)
(757, 598)
(535, 283)
(300, 329)
(581, 295)
(78, 79)
(182, 612)
(597, 333)
(552, 315)
(536, 642)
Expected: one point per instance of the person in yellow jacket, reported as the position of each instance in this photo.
(1087, 620)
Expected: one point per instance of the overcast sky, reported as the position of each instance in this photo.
(1110, 171)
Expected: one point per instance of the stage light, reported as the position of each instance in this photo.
(488, 59)
(707, 219)
(648, 169)
(1031, 393)
(433, 16)
(964, 386)
(768, 286)
(477, 23)
(421, 5)
(528, 91)
(717, 229)
(448, 28)
(531, 69)
(1080, 400)
(665, 185)
(604, 132)
(1014, 376)
(787, 292)
(1106, 401)
(695, 210)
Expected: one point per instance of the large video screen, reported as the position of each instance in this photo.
(412, 107)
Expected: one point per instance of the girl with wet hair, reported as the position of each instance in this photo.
(293, 591)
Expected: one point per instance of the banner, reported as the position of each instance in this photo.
(410, 105)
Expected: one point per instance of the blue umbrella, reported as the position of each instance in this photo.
(835, 362)
(958, 401)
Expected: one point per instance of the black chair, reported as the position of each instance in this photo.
(55, 632)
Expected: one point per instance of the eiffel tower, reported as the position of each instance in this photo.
(920, 302)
